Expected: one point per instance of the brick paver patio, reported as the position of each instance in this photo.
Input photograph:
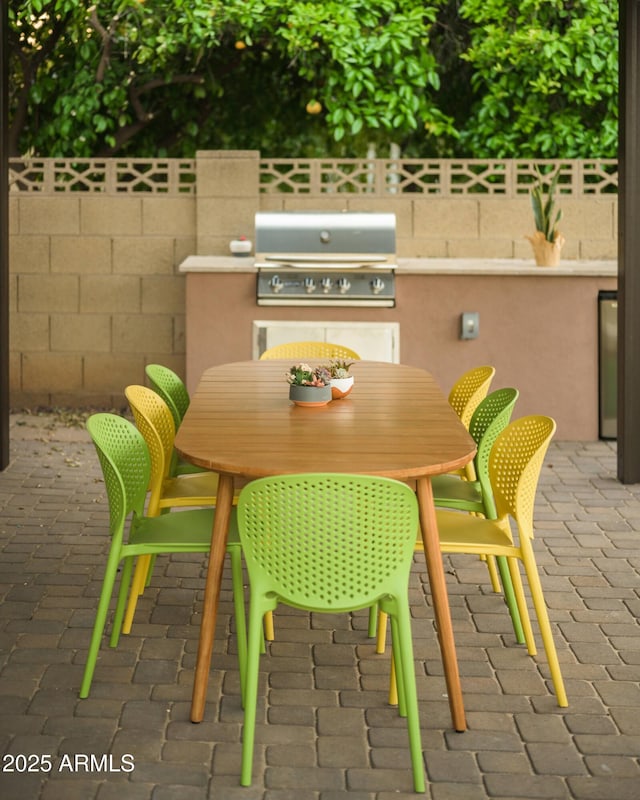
(324, 727)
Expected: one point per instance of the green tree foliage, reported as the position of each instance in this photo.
(313, 77)
(171, 76)
(545, 78)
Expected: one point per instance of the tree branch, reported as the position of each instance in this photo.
(30, 64)
(156, 83)
(106, 35)
(143, 117)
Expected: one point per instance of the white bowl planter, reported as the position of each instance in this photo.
(340, 387)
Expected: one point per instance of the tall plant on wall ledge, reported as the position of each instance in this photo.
(547, 241)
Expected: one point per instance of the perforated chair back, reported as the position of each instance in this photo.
(490, 418)
(126, 466)
(155, 422)
(309, 350)
(469, 390)
(514, 467)
(171, 389)
(328, 542)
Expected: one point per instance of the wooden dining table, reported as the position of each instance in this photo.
(396, 422)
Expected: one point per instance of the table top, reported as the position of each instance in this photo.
(396, 422)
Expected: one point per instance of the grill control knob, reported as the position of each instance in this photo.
(377, 285)
(276, 284)
(326, 285)
(343, 285)
(309, 285)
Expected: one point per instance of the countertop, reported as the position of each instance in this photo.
(431, 266)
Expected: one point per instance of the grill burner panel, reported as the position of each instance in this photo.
(325, 258)
(278, 287)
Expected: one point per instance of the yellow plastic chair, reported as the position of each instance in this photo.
(155, 422)
(467, 392)
(330, 543)
(309, 350)
(514, 469)
(465, 396)
(126, 467)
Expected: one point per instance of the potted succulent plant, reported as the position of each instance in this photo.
(341, 380)
(309, 386)
(547, 241)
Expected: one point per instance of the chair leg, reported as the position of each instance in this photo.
(373, 621)
(137, 588)
(151, 562)
(493, 574)
(381, 636)
(510, 598)
(125, 580)
(401, 640)
(251, 691)
(393, 685)
(269, 630)
(521, 602)
(235, 555)
(99, 623)
(397, 686)
(545, 631)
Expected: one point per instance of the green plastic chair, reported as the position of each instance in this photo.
(490, 418)
(126, 466)
(172, 390)
(330, 543)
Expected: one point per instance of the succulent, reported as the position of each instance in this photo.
(339, 369)
(305, 375)
(544, 208)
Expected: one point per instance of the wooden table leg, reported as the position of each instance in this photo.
(435, 569)
(224, 501)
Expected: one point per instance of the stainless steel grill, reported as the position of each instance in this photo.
(319, 258)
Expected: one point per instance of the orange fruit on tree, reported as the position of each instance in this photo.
(314, 107)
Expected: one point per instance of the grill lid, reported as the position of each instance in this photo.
(325, 236)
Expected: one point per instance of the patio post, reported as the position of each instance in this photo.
(629, 245)
(4, 240)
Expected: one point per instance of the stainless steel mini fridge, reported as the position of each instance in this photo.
(608, 364)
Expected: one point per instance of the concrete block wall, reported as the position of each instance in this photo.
(95, 294)
(95, 288)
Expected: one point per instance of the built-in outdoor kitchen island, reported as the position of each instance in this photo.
(537, 326)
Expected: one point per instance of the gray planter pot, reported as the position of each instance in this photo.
(310, 395)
